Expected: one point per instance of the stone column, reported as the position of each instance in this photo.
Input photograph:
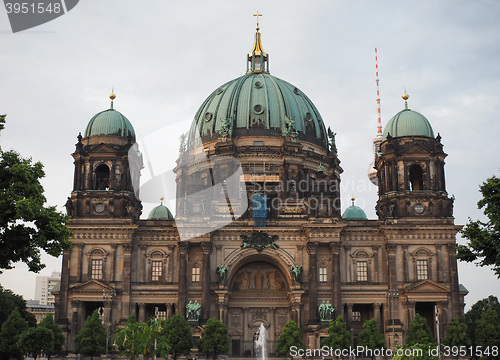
(205, 285)
(376, 315)
(170, 264)
(454, 281)
(391, 255)
(126, 281)
(406, 264)
(312, 247)
(113, 263)
(376, 260)
(61, 313)
(183, 249)
(80, 263)
(349, 317)
(438, 263)
(142, 312)
(336, 287)
(348, 263)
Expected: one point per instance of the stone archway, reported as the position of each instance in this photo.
(259, 291)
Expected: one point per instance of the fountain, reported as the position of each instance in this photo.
(261, 343)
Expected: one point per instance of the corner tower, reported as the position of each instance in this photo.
(410, 169)
(105, 169)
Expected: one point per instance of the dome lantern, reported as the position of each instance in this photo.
(257, 60)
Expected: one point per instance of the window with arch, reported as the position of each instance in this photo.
(156, 263)
(101, 177)
(416, 178)
(422, 264)
(96, 263)
(361, 262)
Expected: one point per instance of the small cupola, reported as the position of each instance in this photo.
(257, 60)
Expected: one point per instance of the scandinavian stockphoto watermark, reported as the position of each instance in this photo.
(27, 14)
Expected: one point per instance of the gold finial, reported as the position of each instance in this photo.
(352, 199)
(161, 200)
(257, 28)
(405, 98)
(112, 96)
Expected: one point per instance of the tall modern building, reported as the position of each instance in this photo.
(258, 235)
(43, 287)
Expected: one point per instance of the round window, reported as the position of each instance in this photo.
(419, 208)
(309, 117)
(208, 116)
(259, 109)
(99, 207)
(258, 84)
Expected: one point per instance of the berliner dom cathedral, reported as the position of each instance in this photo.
(257, 235)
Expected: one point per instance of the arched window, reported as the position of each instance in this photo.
(101, 177)
(416, 178)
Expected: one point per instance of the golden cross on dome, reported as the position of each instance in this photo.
(257, 17)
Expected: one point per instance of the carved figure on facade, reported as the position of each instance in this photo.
(297, 273)
(331, 141)
(182, 145)
(259, 241)
(193, 310)
(226, 129)
(289, 132)
(325, 310)
(222, 272)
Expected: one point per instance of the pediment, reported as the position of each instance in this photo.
(417, 149)
(103, 148)
(426, 286)
(91, 286)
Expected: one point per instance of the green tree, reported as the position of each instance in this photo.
(36, 340)
(48, 322)
(91, 339)
(214, 339)
(178, 336)
(456, 334)
(26, 223)
(488, 331)
(290, 336)
(338, 336)
(484, 237)
(9, 336)
(10, 301)
(475, 313)
(371, 337)
(137, 339)
(419, 332)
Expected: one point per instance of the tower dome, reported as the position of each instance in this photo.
(110, 122)
(408, 123)
(354, 212)
(160, 212)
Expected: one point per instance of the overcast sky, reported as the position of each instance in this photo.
(163, 59)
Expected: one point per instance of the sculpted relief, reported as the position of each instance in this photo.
(259, 276)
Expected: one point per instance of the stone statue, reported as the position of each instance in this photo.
(297, 273)
(69, 207)
(222, 272)
(289, 131)
(331, 142)
(183, 139)
(193, 310)
(329, 311)
(322, 311)
(226, 129)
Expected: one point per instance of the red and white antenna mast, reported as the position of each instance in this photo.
(379, 127)
(372, 172)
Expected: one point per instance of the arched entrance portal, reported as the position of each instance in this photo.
(259, 293)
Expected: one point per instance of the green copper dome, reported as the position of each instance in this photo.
(408, 123)
(354, 212)
(110, 122)
(160, 212)
(257, 104)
